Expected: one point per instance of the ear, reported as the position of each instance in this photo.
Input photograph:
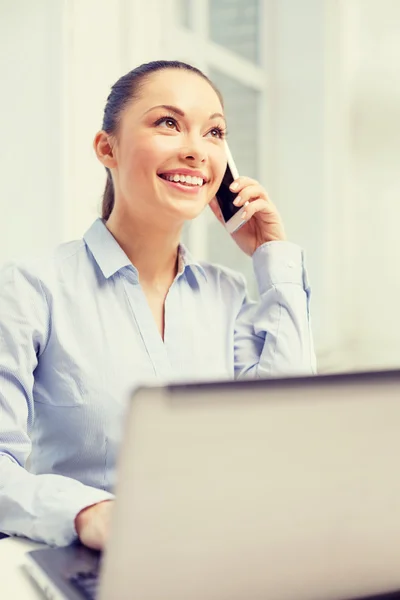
(103, 148)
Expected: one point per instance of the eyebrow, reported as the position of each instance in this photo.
(180, 112)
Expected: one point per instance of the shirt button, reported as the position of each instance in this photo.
(291, 264)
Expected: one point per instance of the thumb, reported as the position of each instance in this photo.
(216, 210)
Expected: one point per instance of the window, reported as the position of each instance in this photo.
(184, 11)
(234, 25)
(242, 109)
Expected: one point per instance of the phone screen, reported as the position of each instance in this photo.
(225, 197)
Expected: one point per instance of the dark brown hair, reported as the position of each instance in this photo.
(123, 91)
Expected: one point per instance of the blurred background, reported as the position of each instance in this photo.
(312, 93)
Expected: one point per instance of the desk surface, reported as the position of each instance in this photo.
(14, 581)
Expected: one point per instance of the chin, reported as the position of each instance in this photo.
(186, 210)
(191, 213)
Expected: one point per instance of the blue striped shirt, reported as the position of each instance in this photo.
(77, 336)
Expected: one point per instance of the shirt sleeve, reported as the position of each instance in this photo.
(40, 507)
(273, 336)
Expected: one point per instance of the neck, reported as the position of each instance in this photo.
(152, 250)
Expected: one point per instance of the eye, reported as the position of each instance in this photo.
(167, 122)
(217, 132)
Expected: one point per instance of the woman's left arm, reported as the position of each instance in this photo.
(272, 336)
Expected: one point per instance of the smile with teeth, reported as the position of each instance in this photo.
(184, 179)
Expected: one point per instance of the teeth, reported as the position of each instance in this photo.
(186, 179)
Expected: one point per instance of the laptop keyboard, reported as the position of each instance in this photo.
(87, 583)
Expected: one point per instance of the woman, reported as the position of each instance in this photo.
(129, 305)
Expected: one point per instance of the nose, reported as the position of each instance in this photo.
(193, 152)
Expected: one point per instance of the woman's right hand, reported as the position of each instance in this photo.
(92, 524)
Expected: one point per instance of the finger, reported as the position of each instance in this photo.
(216, 210)
(256, 206)
(249, 194)
(241, 182)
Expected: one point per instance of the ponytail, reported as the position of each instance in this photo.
(108, 198)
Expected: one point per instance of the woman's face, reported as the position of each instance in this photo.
(169, 151)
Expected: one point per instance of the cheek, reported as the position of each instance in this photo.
(149, 154)
(218, 162)
(163, 148)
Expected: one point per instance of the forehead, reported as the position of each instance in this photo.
(180, 88)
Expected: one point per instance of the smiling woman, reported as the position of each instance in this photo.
(129, 305)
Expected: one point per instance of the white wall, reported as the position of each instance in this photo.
(103, 40)
(31, 132)
(336, 135)
(371, 203)
(59, 59)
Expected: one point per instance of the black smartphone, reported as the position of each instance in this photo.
(232, 214)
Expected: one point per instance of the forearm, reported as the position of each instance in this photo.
(285, 345)
(42, 507)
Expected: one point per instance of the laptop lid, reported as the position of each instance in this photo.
(267, 489)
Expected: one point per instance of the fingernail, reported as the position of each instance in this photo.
(237, 200)
(244, 215)
(234, 185)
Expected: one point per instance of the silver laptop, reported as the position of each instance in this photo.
(278, 489)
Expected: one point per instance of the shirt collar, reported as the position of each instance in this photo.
(105, 249)
(111, 258)
(187, 260)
